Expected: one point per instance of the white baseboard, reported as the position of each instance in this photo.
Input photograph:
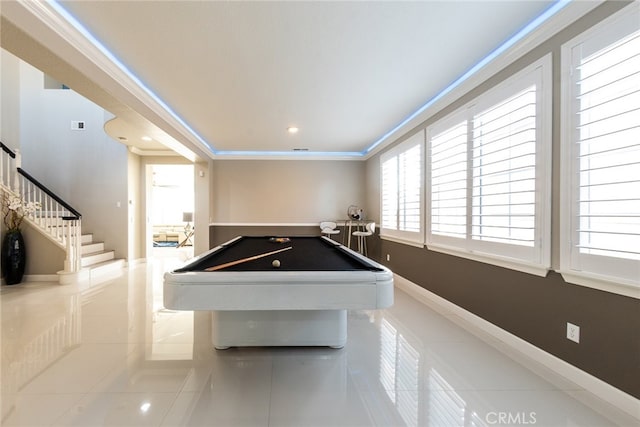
(66, 278)
(525, 351)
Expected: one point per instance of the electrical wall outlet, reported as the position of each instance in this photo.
(388, 257)
(573, 332)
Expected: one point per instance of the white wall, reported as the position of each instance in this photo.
(134, 206)
(85, 168)
(284, 191)
(43, 257)
(202, 205)
(372, 189)
(9, 99)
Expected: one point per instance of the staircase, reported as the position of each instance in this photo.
(97, 260)
(57, 221)
(94, 259)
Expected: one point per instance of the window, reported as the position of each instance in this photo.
(402, 191)
(503, 168)
(488, 175)
(448, 183)
(601, 155)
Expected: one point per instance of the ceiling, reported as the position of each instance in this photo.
(234, 75)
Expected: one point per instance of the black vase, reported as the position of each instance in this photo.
(14, 257)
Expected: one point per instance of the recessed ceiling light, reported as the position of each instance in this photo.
(147, 138)
(292, 129)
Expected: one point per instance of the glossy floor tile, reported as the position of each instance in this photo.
(107, 353)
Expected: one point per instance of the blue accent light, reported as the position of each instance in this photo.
(549, 12)
(78, 26)
(308, 154)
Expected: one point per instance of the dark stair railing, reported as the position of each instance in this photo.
(56, 219)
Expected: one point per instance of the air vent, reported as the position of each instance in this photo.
(300, 149)
(77, 125)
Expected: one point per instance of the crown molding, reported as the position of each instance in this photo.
(71, 33)
(555, 19)
(41, 20)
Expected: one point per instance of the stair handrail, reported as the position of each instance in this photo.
(74, 213)
(53, 209)
(7, 150)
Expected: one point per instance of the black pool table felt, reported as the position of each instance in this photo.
(306, 254)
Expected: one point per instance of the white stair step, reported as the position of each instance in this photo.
(96, 257)
(109, 268)
(86, 238)
(89, 248)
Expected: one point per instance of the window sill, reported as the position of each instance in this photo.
(408, 242)
(510, 263)
(601, 283)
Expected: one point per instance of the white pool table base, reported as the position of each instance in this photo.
(249, 328)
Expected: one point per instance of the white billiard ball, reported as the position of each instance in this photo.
(276, 263)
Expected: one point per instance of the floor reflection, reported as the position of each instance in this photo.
(109, 353)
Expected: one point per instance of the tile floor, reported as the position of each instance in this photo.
(108, 354)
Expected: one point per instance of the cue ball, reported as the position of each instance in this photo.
(276, 263)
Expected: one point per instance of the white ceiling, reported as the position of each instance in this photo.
(346, 73)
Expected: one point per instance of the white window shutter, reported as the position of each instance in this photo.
(601, 155)
(448, 181)
(504, 171)
(390, 193)
(402, 184)
(488, 175)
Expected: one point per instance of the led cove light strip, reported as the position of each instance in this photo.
(292, 153)
(552, 10)
(548, 13)
(83, 30)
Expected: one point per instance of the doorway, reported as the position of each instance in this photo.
(171, 210)
(170, 219)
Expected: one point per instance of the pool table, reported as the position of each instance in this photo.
(303, 302)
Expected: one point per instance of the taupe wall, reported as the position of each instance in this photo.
(43, 256)
(293, 192)
(219, 234)
(535, 309)
(281, 198)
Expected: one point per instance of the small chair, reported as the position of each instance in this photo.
(369, 230)
(329, 228)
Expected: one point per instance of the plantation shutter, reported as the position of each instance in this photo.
(409, 189)
(390, 193)
(489, 175)
(608, 138)
(449, 181)
(402, 189)
(602, 160)
(504, 171)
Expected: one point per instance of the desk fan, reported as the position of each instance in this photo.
(354, 212)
